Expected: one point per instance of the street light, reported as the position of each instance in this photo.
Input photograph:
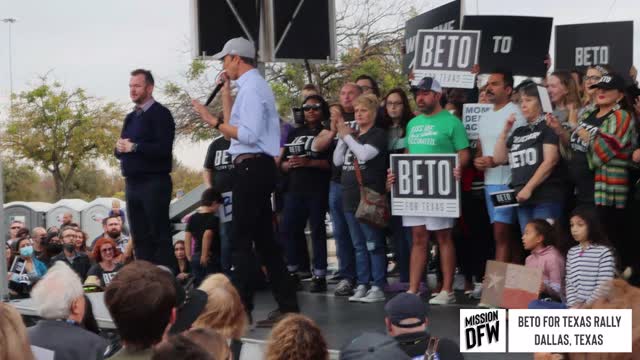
(4, 291)
(10, 21)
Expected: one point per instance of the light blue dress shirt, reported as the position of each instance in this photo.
(254, 114)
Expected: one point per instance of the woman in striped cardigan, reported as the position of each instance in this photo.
(610, 148)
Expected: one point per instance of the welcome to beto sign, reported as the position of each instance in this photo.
(425, 185)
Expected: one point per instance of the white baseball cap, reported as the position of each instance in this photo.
(237, 46)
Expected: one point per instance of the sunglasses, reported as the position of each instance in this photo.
(311, 107)
(106, 250)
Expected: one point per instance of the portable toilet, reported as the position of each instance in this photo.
(73, 206)
(93, 213)
(32, 214)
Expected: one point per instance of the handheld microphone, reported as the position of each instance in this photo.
(220, 79)
(214, 93)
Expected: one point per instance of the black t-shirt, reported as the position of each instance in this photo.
(198, 224)
(336, 171)
(578, 166)
(219, 161)
(105, 277)
(525, 156)
(374, 171)
(415, 345)
(306, 179)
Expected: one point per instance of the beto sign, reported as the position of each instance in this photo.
(447, 56)
(445, 17)
(425, 185)
(519, 43)
(582, 45)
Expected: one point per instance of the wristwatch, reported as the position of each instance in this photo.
(134, 147)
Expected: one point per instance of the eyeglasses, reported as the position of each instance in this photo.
(365, 88)
(595, 78)
(311, 107)
(106, 250)
(393, 104)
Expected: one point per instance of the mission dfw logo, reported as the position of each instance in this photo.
(483, 330)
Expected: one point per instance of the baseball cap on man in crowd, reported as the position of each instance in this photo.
(405, 306)
(427, 84)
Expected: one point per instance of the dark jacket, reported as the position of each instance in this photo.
(153, 132)
(415, 344)
(81, 263)
(67, 341)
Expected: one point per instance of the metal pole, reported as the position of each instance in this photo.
(10, 21)
(4, 283)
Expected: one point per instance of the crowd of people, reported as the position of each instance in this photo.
(581, 158)
(157, 318)
(573, 172)
(96, 261)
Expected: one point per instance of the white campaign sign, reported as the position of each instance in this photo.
(570, 331)
(448, 56)
(225, 211)
(425, 185)
(471, 116)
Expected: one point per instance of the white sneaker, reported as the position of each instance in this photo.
(477, 291)
(375, 294)
(443, 298)
(361, 291)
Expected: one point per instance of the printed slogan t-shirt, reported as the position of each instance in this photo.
(441, 133)
(373, 171)
(306, 180)
(219, 161)
(104, 276)
(525, 157)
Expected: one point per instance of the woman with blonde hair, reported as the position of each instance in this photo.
(14, 344)
(362, 154)
(564, 95)
(297, 337)
(226, 314)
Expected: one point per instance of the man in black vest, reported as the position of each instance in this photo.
(145, 151)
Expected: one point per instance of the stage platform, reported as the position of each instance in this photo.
(339, 319)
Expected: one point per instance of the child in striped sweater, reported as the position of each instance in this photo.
(591, 263)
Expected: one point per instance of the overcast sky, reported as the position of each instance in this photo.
(94, 45)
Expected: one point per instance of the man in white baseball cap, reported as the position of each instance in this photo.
(237, 46)
(253, 125)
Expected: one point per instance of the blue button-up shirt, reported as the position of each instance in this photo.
(254, 114)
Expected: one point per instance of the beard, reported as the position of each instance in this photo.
(427, 108)
(114, 234)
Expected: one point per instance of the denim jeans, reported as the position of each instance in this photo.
(298, 208)
(549, 210)
(344, 245)
(371, 258)
(201, 272)
(548, 305)
(225, 247)
(402, 241)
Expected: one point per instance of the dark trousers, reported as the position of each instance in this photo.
(148, 208)
(252, 226)
(298, 208)
(474, 243)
